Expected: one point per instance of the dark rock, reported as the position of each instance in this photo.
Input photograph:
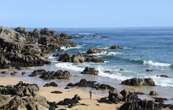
(149, 70)
(124, 93)
(163, 76)
(26, 103)
(92, 84)
(65, 58)
(37, 72)
(132, 102)
(113, 97)
(70, 102)
(95, 50)
(56, 92)
(53, 105)
(115, 47)
(55, 75)
(23, 73)
(93, 59)
(22, 48)
(153, 93)
(53, 84)
(13, 73)
(91, 71)
(139, 82)
(160, 99)
(49, 75)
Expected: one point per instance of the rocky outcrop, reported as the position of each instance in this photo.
(134, 103)
(95, 50)
(92, 84)
(49, 75)
(115, 47)
(22, 96)
(21, 89)
(53, 84)
(113, 97)
(19, 47)
(91, 71)
(79, 58)
(70, 102)
(139, 82)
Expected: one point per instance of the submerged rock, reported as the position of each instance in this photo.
(115, 47)
(91, 71)
(139, 82)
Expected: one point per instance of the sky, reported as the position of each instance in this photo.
(86, 13)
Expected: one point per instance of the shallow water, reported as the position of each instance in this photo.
(144, 48)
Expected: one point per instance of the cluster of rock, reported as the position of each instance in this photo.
(22, 96)
(139, 82)
(19, 47)
(92, 84)
(49, 75)
(79, 58)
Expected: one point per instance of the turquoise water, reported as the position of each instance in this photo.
(144, 48)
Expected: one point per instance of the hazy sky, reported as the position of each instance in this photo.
(86, 13)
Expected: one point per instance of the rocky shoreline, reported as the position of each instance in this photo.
(21, 48)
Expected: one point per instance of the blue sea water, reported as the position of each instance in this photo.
(143, 48)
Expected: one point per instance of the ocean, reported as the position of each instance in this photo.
(143, 49)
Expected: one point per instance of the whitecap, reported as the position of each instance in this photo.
(106, 53)
(68, 48)
(69, 66)
(151, 63)
(116, 75)
(161, 81)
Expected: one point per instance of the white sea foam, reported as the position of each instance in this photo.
(52, 58)
(164, 82)
(116, 75)
(68, 48)
(68, 66)
(151, 63)
(105, 53)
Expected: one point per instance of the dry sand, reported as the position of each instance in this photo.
(87, 104)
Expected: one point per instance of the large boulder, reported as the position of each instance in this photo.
(70, 102)
(65, 58)
(56, 75)
(113, 97)
(21, 89)
(91, 71)
(50, 75)
(139, 82)
(135, 103)
(26, 103)
(78, 58)
(51, 84)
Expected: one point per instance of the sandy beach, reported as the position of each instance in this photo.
(85, 103)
